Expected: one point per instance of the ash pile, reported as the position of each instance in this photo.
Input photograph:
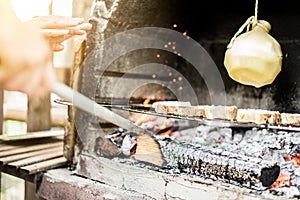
(280, 147)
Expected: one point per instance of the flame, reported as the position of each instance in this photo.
(143, 119)
(168, 132)
(156, 124)
(166, 129)
(147, 102)
(166, 123)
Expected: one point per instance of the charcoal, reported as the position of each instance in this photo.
(104, 147)
(218, 163)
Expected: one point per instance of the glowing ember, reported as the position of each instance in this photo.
(282, 181)
(294, 159)
(167, 127)
(143, 119)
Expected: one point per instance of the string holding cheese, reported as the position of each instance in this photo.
(253, 58)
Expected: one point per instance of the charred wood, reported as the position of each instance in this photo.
(219, 164)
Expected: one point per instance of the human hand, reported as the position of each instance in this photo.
(25, 60)
(56, 29)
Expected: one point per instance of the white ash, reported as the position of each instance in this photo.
(290, 192)
(259, 143)
(297, 172)
(127, 145)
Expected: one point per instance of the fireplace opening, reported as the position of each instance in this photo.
(263, 160)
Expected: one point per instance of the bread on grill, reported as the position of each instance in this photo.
(258, 116)
(220, 112)
(231, 113)
(204, 111)
(290, 119)
(180, 108)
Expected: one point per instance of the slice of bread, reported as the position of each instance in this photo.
(290, 119)
(203, 111)
(231, 113)
(180, 108)
(219, 112)
(258, 116)
(165, 107)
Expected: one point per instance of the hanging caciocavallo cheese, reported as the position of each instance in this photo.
(253, 58)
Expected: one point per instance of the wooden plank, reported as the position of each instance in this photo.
(29, 149)
(58, 118)
(31, 191)
(37, 158)
(42, 166)
(39, 114)
(1, 111)
(17, 157)
(33, 135)
(9, 147)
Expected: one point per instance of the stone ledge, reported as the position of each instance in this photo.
(62, 184)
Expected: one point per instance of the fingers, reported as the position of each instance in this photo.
(52, 33)
(76, 30)
(84, 26)
(55, 21)
(56, 36)
(57, 47)
(56, 29)
(56, 43)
